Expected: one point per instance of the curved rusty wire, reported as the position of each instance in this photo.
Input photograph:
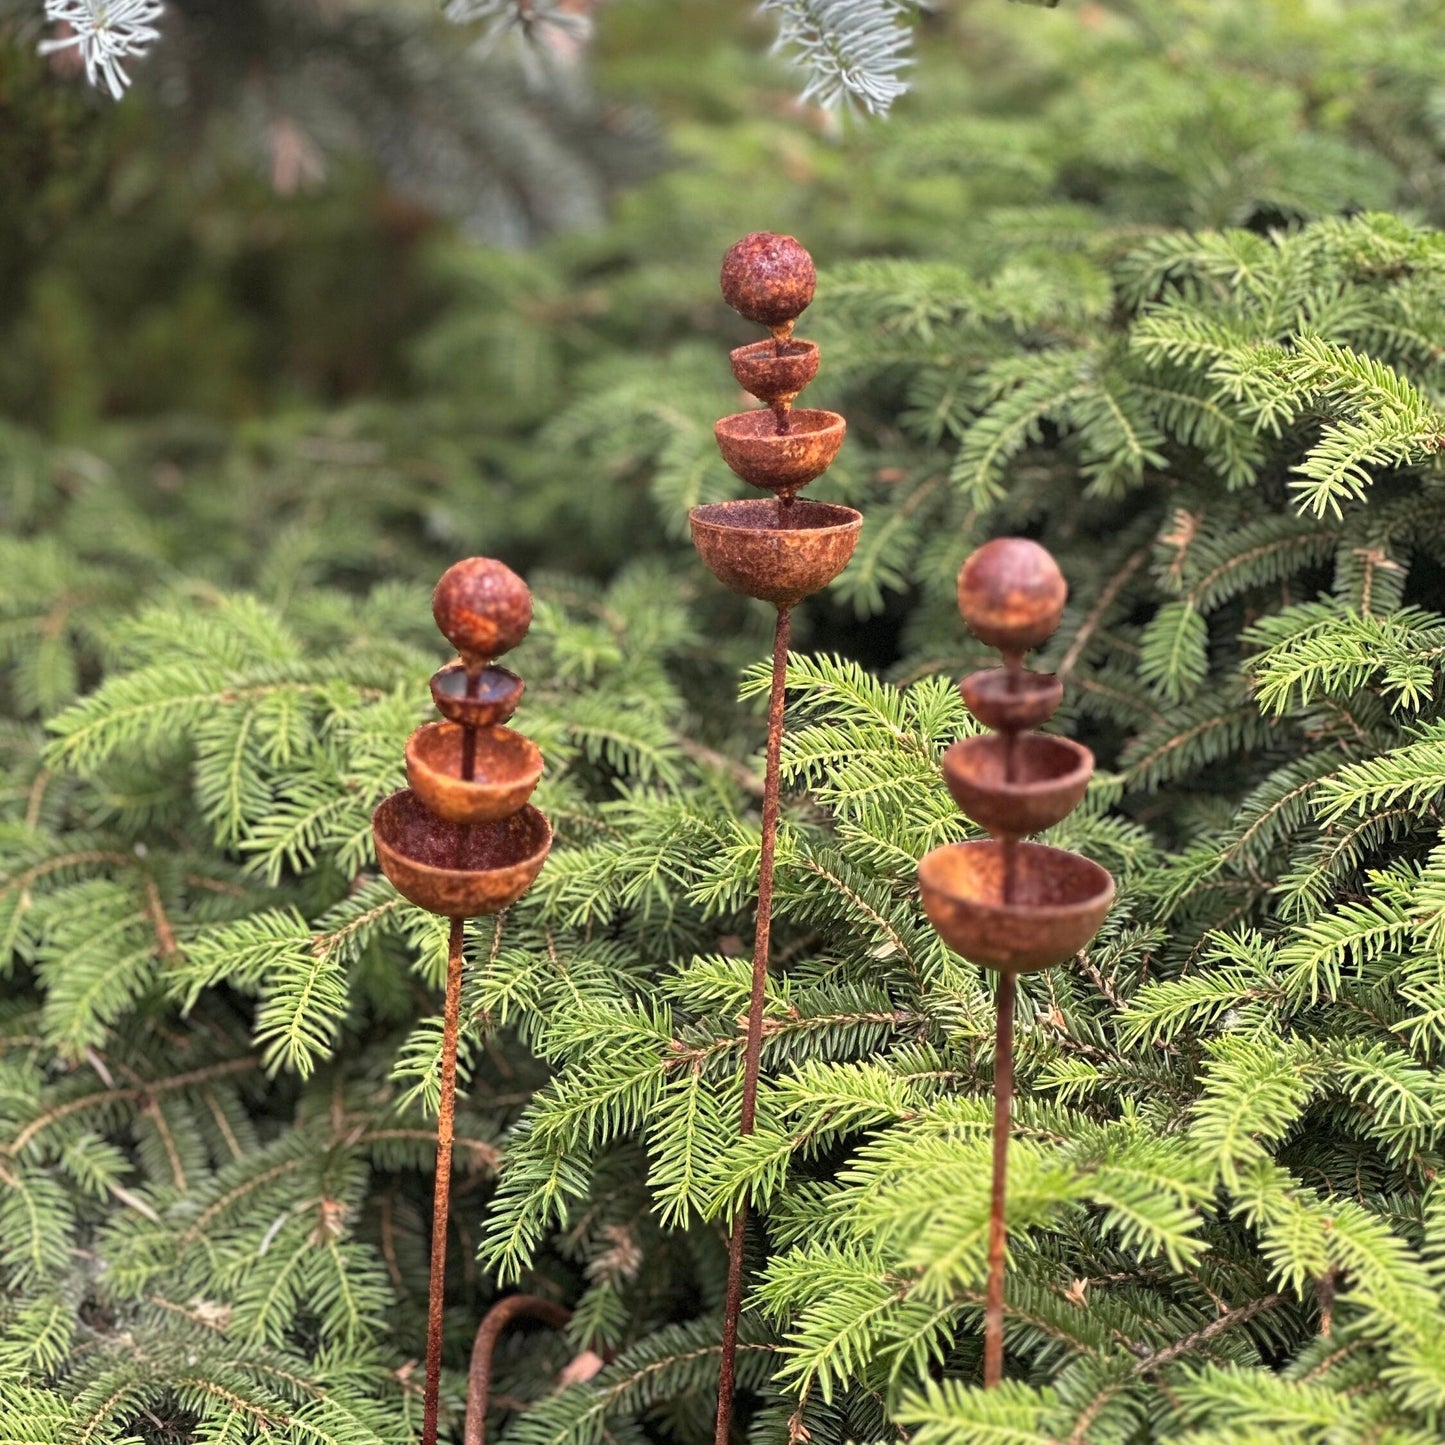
(479, 1373)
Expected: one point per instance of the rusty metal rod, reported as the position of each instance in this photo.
(446, 1111)
(1003, 1089)
(752, 1056)
(479, 1375)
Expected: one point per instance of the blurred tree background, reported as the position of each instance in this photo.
(329, 301)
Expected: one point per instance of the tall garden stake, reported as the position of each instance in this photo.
(780, 551)
(462, 841)
(1006, 905)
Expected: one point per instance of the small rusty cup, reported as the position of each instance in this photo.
(1050, 776)
(1060, 899)
(1011, 701)
(495, 696)
(778, 554)
(759, 453)
(458, 871)
(507, 769)
(775, 371)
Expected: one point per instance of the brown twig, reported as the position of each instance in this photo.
(479, 1375)
(732, 1308)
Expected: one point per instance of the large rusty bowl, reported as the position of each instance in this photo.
(506, 769)
(776, 553)
(458, 871)
(1050, 775)
(1013, 699)
(1060, 899)
(493, 698)
(759, 453)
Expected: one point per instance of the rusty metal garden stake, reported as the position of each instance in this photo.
(779, 551)
(1006, 905)
(462, 841)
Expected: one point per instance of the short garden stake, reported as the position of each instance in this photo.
(1004, 904)
(780, 551)
(462, 841)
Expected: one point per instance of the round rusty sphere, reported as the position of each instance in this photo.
(1011, 594)
(768, 278)
(482, 607)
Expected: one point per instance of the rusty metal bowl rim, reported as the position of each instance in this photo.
(1082, 770)
(1023, 911)
(716, 515)
(457, 668)
(537, 855)
(804, 423)
(419, 738)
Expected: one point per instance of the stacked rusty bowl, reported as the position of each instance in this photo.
(463, 840)
(1003, 903)
(779, 550)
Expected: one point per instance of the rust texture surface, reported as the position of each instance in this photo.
(1004, 904)
(505, 768)
(463, 841)
(778, 550)
(768, 278)
(763, 453)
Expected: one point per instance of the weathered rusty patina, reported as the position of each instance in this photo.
(1058, 902)
(779, 550)
(481, 698)
(1006, 905)
(463, 841)
(1012, 594)
(776, 554)
(458, 870)
(1049, 776)
(780, 461)
(775, 371)
(482, 607)
(1011, 698)
(768, 278)
(484, 1347)
(506, 767)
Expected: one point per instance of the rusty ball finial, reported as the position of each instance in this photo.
(768, 278)
(1012, 594)
(482, 607)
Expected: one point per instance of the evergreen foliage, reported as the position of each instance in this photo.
(218, 1041)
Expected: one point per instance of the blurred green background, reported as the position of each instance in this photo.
(203, 373)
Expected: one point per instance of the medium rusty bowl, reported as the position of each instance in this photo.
(1050, 775)
(775, 371)
(759, 453)
(494, 700)
(506, 770)
(1060, 899)
(459, 872)
(1011, 701)
(777, 553)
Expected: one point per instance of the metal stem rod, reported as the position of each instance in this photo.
(446, 1112)
(1003, 1089)
(752, 1057)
